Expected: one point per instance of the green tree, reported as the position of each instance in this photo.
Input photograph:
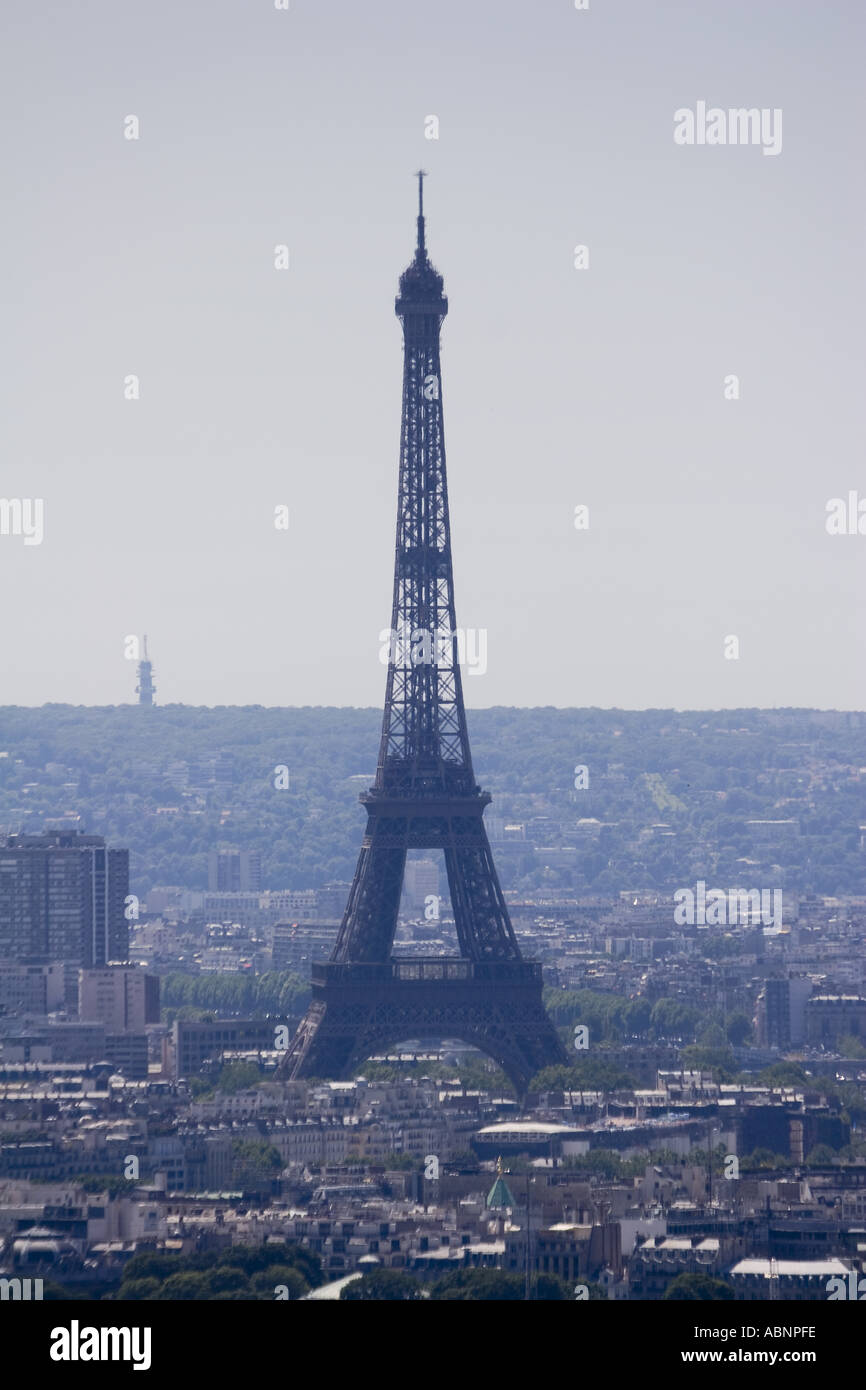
(238, 1076)
(382, 1285)
(212, 1274)
(150, 1264)
(498, 1285)
(783, 1074)
(104, 1182)
(135, 1289)
(267, 1281)
(820, 1156)
(717, 1060)
(549, 1288)
(187, 1285)
(479, 1285)
(672, 1019)
(225, 1279)
(739, 1029)
(590, 1072)
(699, 1286)
(763, 1160)
(255, 1164)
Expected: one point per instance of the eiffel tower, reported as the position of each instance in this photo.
(425, 795)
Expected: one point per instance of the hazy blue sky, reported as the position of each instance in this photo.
(602, 386)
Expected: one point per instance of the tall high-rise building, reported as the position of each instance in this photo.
(145, 690)
(63, 898)
(780, 1014)
(122, 997)
(234, 871)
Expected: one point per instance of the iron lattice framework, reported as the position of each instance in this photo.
(424, 795)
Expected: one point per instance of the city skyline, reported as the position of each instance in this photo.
(479, 911)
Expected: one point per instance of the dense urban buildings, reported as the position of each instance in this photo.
(709, 1129)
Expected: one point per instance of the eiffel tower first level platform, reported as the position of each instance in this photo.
(359, 1010)
(424, 795)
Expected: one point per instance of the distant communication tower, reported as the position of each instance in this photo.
(145, 690)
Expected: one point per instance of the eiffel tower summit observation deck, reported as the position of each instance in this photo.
(424, 795)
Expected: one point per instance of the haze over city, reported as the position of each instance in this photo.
(601, 387)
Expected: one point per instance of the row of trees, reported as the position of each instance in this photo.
(611, 1018)
(263, 1272)
(460, 1285)
(279, 992)
(287, 1272)
(387, 1285)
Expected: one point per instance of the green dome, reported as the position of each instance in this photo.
(500, 1194)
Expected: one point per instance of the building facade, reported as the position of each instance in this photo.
(63, 898)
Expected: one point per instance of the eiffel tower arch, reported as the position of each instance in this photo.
(424, 795)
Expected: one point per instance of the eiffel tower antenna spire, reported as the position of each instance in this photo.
(421, 249)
